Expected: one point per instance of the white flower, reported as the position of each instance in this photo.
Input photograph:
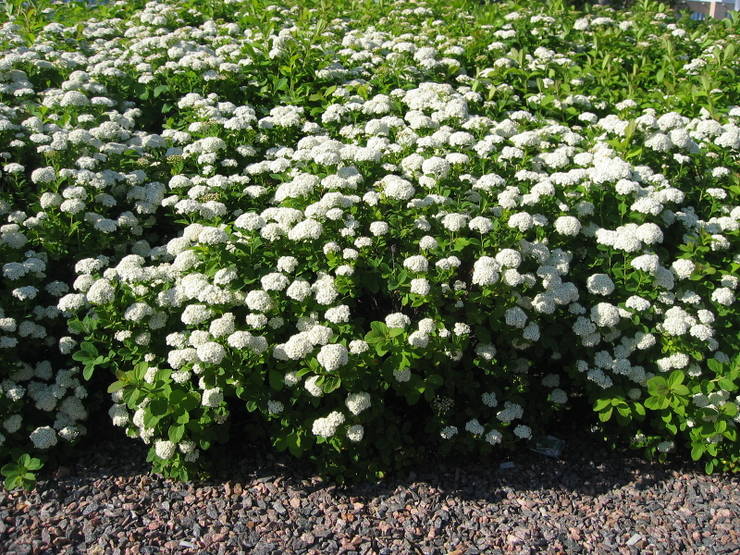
(635, 302)
(567, 225)
(211, 352)
(418, 339)
(43, 437)
(355, 432)
(494, 437)
(287, 264)
(523, 432)
(647, 263)
(71, 302)
(119, 415)
(338, 314)
(420, 286)
(13, 423)
(327, 426)
(510, 412)
(298, 290)
(164, 449)
(358, 346)
(558, 396)
(43, 175)
(723, 295)
(275, 407)
(427, 243)
(274, 282)
(397, 188)
(531, 332)
(509, 258)
(605, 315)
(416, 263)
(298, 346)
(212, 397)
(600, 284)
(515, 317)
(379, 228)
(485, 271)
(311, 386)
(402, 375)
(305, 230)
(489, 399)
(195, 314)
(729, 281)
(436, 166)
(397, 320)
(480, 224)
(454, 222)
(461, 328)
(137, 312)
(259, 300)
(100, 292)
(332, 356)
(358, 402)
(521, 221)
(474, 427)
(448, 432)
(486, 351)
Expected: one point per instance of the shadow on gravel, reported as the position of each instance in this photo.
(584, 467)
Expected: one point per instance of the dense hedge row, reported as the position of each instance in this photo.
(379, 230)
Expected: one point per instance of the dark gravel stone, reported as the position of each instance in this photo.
(589, 500)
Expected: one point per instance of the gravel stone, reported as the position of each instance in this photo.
(589, 500)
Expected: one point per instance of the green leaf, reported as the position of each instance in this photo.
(601, 404)
(10, 469)
(89, 349)
(158, 90)
(680, 390)
(714, 365)
(696, 452)
(674, 379)
(435, 380)
(87, 371)
(657, 403)
(604, 416)
(176, 432)
(158, 407)
(331, 383)
(34, 464)
(116, 386)
(379, 328)
(276, 380)
(726, 384)
(657, 386)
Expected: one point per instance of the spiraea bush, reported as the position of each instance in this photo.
(417, 229)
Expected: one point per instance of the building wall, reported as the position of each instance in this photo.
(719, 9)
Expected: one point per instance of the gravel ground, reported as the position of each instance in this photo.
(587, 501)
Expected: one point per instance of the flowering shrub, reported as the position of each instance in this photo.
(371, 233)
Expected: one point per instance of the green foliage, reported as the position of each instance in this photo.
(159, 157)
(20, 474)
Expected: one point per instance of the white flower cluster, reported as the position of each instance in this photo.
(481, 233)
